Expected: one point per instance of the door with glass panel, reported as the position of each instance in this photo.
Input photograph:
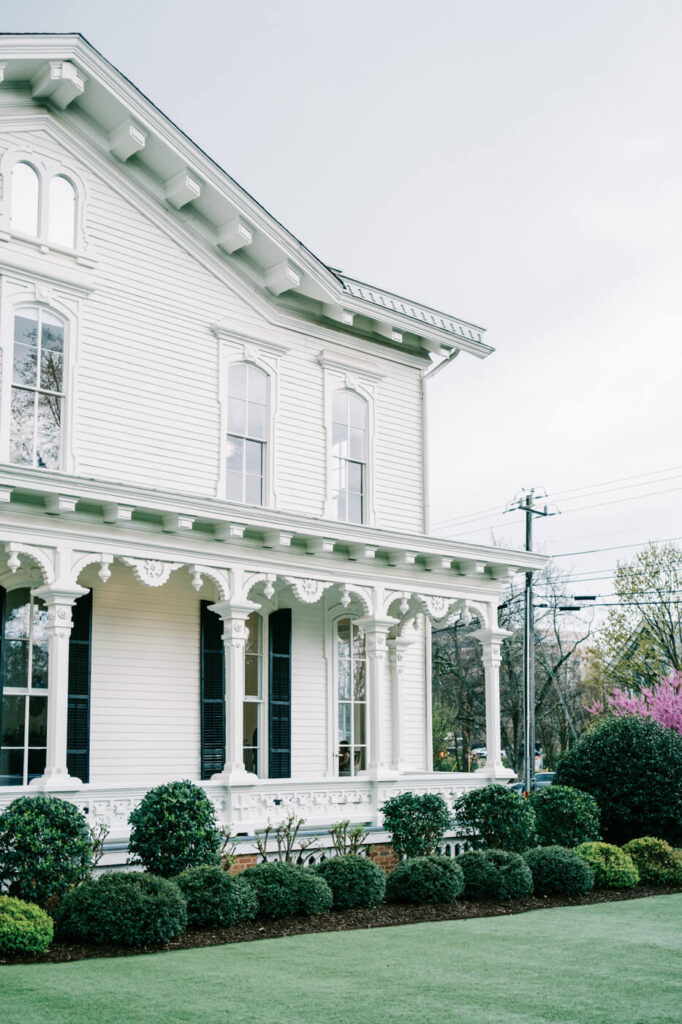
(351, 693)
(23, 734)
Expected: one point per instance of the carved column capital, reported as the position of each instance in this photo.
(59, 602)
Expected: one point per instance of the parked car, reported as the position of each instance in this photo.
(541, 779)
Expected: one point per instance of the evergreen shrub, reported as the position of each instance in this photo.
(214, 898)
(564, 816)
(355, 881)
(174, 828)
(284, 889)
(45, 849)
(425, 880)
(632, 766)
(123, 909)
(655, 860)
(556, 869)
(417, 823)
(24, 927)
(612, 867)
(496, 818)
(495, 875)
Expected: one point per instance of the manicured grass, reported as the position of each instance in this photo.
(613, 962)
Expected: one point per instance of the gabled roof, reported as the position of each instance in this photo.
(69, 76)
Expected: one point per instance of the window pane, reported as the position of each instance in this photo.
(358, 642)
(258, 386)
(354, 477)
(340, 439)
(359, 680)
(236, 381)
(341, 507)
(235, 482)
(253, 625)
(62, 212)
(48, 441)
(11, 767)
(21, 441)
(17, 612)
(254, 457)
(235, 453)
(51, 370)
(344, 759)
(354, 508)
(13, 711)
(357, 444)
(344, 723)
(15, 658)
(251, 711)
(255, 426)
(343, 638)
(360, 759)
(36, 763)
(357, 412)
(236, 416)
(251, 760)
(359, 717)
(343, 669)
(40, 659)
(25, 363)
(252, 676)
(340, 407)
(37, 721)
(26, 328)
(24, 213)
(253, 490)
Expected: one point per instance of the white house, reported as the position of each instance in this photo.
(214, 557)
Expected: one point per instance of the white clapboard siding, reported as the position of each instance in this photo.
(309, 692)
(414, 705)
(148, 409)
(144, 721)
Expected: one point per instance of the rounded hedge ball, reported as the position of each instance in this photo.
(425, 880)
(355, 881)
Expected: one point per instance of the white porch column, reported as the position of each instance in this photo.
(59, 601)
(491, 643)
(234, 615)
(396, 661)
(376, 630)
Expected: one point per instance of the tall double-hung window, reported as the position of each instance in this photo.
(37, 390)
(23, 689)
(253, 693)
(349, 457)
(247, 424)
(351, 694)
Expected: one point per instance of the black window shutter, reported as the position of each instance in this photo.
(212, 693)
(280, 694)
(78, 718)
(2, 652)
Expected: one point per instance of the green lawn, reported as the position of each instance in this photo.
(617, 962)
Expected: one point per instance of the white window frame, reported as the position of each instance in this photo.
(26, 583)
(46, 169)
(263, 723)
(16, 294)
(335, 380)
(332, 619)
(235, 348)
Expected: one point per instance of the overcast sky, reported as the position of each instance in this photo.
(513, 162)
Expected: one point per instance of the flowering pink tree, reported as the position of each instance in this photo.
(663, 703)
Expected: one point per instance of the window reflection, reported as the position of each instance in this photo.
(37, 389)
(351, 697)
(25, 200)
(247, 411)
(62, 212)
(349, 451)
(23, 741)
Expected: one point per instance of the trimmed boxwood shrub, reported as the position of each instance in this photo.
(496, 818)
(655, 860)
(558, 870)
(564, 816)
(612, 867)
(495, 875)
(125, 909)
(633, 768)
(174, 828)
(214, 898)
(45, 849)
(285, 889)
(417, 823)
(24, 927)
(355, 881)
(425, 880)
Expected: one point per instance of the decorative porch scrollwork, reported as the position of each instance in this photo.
(151, 571)
(41, 558)
(306, 590)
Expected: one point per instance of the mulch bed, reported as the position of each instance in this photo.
(384, 916)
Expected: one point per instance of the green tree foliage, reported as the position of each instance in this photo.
(633, 768)
(417, 823)
(495, 817)
(642, 638)
(174, 828)
(45, 849)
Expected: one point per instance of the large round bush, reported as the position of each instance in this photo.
(45, 849)
(495, 875)
(214, 898)
(174, 828)
(24, 927)
(496, 818)
(633, 768)
(124, 909)
(425, 880)
(286, 889)
(655, 860)
(564, 816)
(416, 822)
(355, 881)
(558, 870)
(612, 867)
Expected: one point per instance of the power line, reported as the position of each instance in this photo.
(615, 547)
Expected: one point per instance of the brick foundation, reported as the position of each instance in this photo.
(244, 861)
(384, 855)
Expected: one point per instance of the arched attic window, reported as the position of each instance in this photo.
(37, 388)
(247, 424)
(61, 228)
(349, 456)
(25, 200)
